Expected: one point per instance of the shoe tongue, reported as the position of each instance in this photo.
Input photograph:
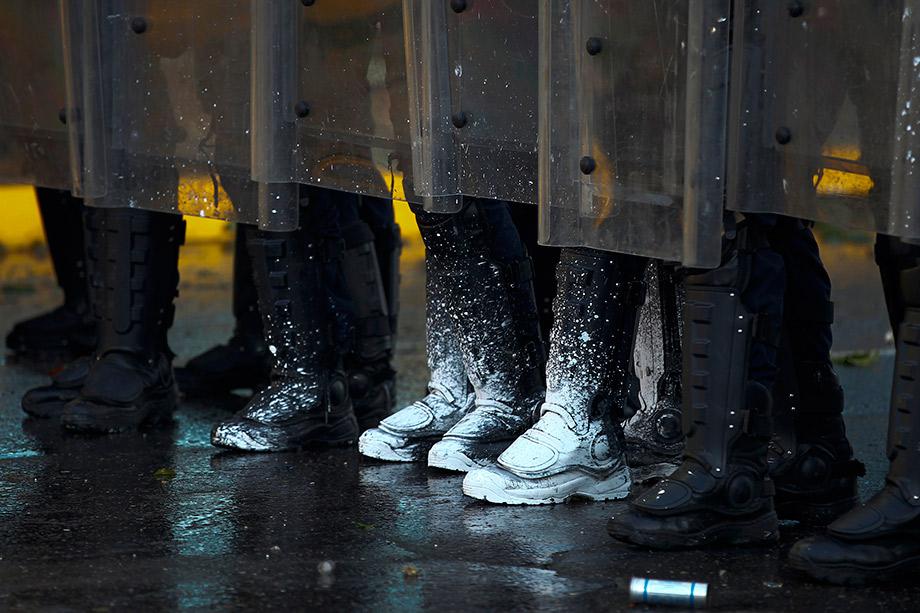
(552, 414)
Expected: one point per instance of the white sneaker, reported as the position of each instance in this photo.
(407, 435)
(480, 437)
(560, 457)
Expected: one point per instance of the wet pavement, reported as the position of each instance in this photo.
(161, 520)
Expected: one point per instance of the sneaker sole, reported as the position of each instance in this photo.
(614, 487)
(338, 433)
(381, 450)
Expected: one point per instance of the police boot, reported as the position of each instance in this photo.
(880, 540)
(243, 362)
(653, 435)
(133, 259)
(811, 460)
(67, 331)
(307, 401)
(721, 493)
(575, 449)
(371, 377)
(408, 434)
(493, 310)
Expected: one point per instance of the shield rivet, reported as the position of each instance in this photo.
(796, 8)
(458, 119)
(458, 6)
(594, 45)
(302, 109)
(308, 2)
(587, 165)
(138, 25)
(783, 135)
(62, 116)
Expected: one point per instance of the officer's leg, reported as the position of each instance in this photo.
(492, 307)
(482, 314)
(814, 473)
(879, 540)
(653, 437)
(132, 264)
(576, 448)
(68, 331)
(721, 493)
(243, 362)
(407, 435)
(299, 280)
(371, 377)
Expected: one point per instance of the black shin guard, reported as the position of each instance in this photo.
(721, 493)
(133, 265)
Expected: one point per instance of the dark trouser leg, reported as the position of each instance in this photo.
(68, 331)
(133, 258)
(813, 466)
(243, 362)
(299, 280)
(721, 493)
(879, 540)
(545, 259)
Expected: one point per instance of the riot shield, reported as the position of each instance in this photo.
(815, 122)
(473, 97)
(633, 103)
(33, 134)
(331, 106)
(164, 92)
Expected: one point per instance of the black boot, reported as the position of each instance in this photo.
(133, 258)
(811, 460)
(721, 493)
(373, 287)
(243, 362)
(68, 331)
(307, 401)
(880, 540)
(653, 434)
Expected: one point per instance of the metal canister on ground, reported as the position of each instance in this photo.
(643, 590)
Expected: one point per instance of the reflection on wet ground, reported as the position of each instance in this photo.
(159, 519)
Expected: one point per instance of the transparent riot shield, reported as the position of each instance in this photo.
(473, 97)
(33, 113)
(815, 123)
(633, 103)
(331, 104)
(166, 85)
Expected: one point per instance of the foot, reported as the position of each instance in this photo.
(407, 435)
(481, 436)
(291, 414)
(556, 459)
(48, 401)
(121, 392)
(240, 364)
(815, 486)
(879, 541)
(61, 333)
(691, 509)
(372, 388)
